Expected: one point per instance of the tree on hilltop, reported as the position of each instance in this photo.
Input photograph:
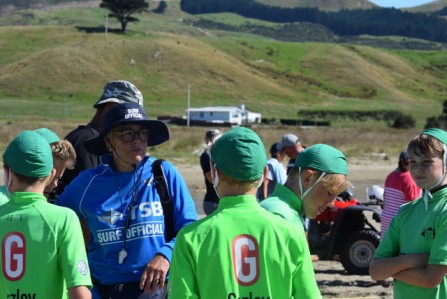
(124, 9)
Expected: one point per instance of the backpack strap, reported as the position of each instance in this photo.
(166, 201)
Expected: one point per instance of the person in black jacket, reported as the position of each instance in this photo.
(115, 92)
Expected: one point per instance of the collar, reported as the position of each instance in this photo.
(21, 198)
(434, 195)
(238, 201)
(288, 196)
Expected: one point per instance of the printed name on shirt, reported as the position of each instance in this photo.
(17, 217)
(249, 296)
(18, 295)
(141, 230)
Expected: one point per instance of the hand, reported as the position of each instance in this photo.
(154, 274)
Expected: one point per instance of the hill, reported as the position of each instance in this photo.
(429, 7)
(56, 71)
(326, 5)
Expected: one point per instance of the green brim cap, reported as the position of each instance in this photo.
(49, 135)
(324, 158)
(439, 134)
(240, 154)
(29, 154)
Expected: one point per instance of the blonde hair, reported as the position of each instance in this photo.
(63, 150)
(335, 183)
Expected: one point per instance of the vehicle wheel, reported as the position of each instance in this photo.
(358, 252)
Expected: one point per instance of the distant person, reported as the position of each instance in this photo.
(240, 250)
(276, 172)
(129, 248)
(211, 199)
(319, 175)
(413, 250)
(115, 92)
(43, 255)
(399, 188)
(64, 157)
(290, 144)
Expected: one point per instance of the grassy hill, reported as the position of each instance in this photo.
(326, 5)
(51, 72)
(430, 7)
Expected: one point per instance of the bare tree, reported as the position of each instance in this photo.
(124, 9)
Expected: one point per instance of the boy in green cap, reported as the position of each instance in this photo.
(319, 175)
(42, 244)
(413, 250)
(240, 250)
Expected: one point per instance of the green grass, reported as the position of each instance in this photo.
(51, 72)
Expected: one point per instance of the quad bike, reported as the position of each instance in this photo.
(345, 233)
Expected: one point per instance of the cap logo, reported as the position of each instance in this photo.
(133, 113)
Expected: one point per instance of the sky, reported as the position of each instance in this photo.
(400, 3)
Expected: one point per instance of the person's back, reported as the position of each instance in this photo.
(40, 231)
(43, 254)
(240, 250)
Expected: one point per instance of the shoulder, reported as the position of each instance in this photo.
(277, 206)
(167, 166)
(82, 131)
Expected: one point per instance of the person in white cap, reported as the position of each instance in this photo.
(290, 144)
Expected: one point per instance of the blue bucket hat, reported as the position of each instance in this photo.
(125, 114)
(29, 154)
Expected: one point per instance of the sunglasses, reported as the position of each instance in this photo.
(129, 135)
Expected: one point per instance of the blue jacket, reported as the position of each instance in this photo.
(109, 201)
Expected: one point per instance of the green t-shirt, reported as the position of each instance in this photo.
(43, 249)
(417, 229)
(241, 251)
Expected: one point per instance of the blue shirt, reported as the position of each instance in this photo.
(110, 201)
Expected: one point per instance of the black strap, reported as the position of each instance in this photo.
(166, 201)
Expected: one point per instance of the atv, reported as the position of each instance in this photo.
(345, 233)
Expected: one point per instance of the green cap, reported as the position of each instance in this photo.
(240, 154)
(324, 158)
(49, 135)
(29, 154)
(439, 134)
